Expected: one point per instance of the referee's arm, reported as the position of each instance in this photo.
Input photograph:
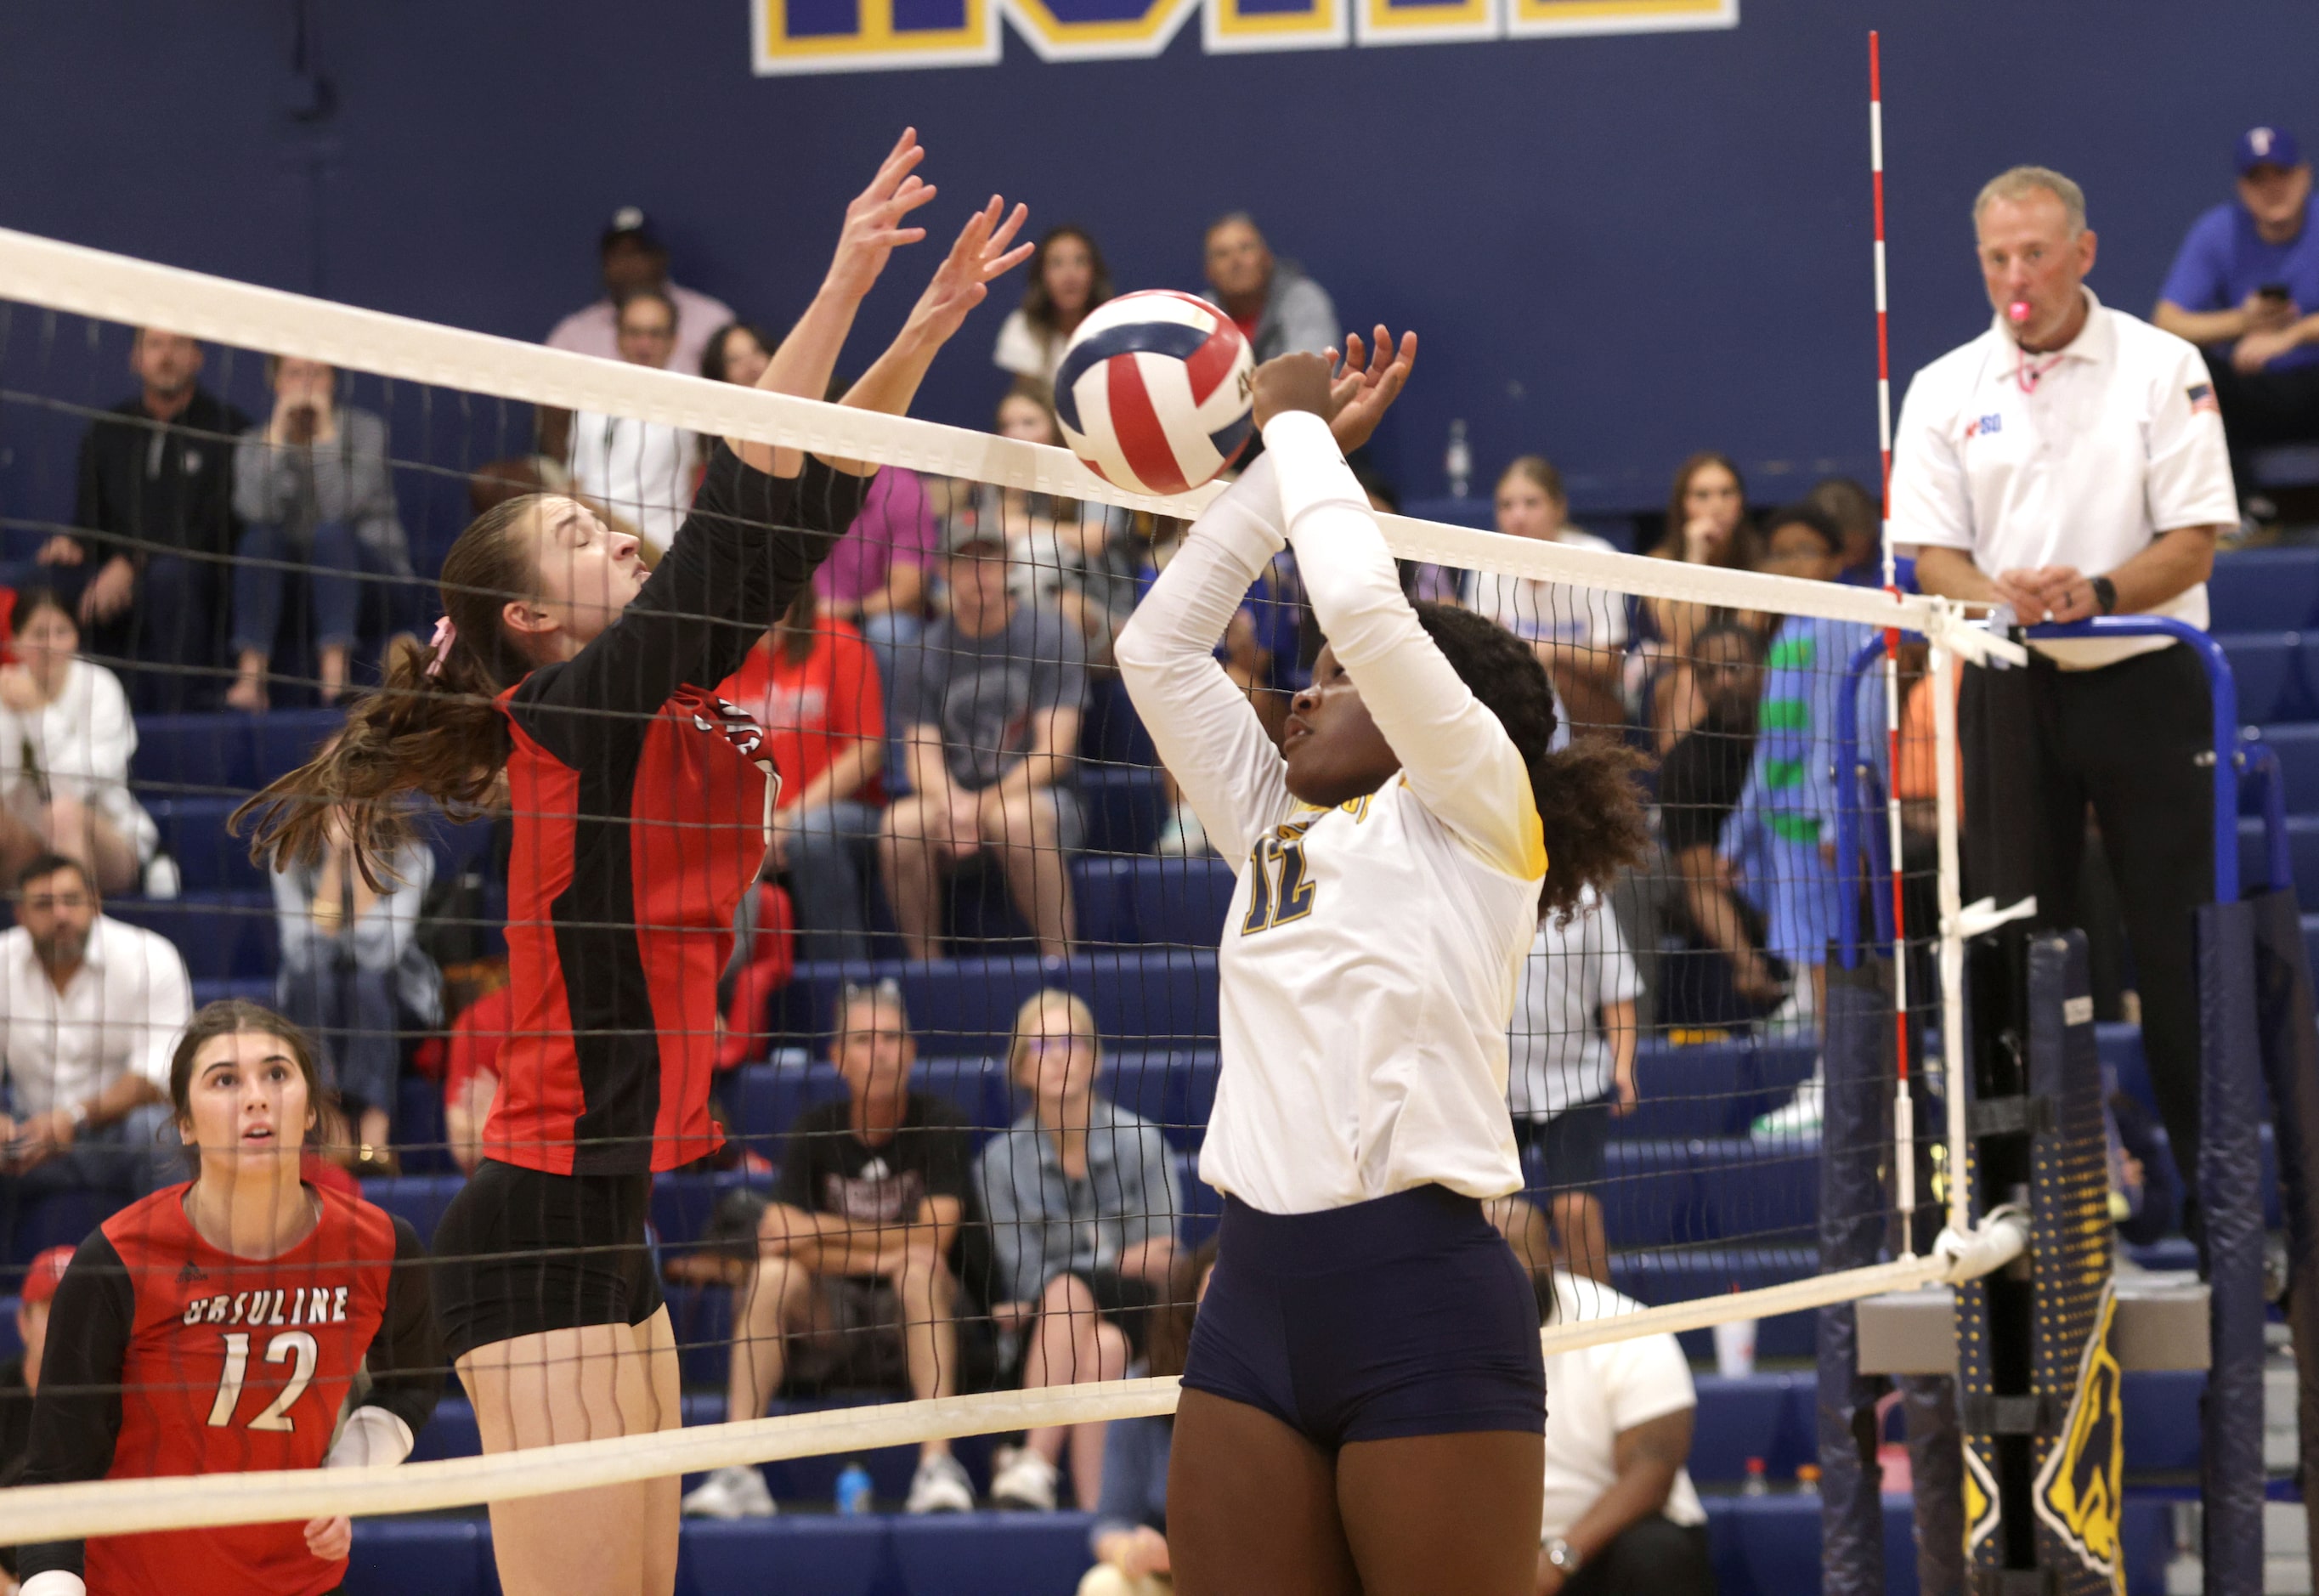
(2173, 563)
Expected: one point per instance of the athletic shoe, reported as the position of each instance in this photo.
(734, 1492)
(1023, 1479)
(1183, 837)
(1800, 1119)
(940, 1486)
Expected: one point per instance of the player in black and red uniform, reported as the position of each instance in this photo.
(641, 809)
(216, 1326)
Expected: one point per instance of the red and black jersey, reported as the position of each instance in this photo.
(640, 812)
(166, 1355)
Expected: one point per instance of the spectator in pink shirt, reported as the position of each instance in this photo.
(876, 576)
(633, 259)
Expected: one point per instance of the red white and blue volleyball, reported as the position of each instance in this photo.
(1153, 391)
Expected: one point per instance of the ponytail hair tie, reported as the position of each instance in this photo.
(446, 634)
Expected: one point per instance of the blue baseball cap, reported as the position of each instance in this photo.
(2268, 147)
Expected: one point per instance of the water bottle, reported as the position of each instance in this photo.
(1457, 461)
(853, 1489)
(1757, 1483)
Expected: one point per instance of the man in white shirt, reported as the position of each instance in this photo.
(95, 1009)
(1621, 1516)
(640, 471)
(633, 258)
(2069, 463)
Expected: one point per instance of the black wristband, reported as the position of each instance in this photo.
(2105, 594)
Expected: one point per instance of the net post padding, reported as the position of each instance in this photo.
(126, 1507)
(1856, 1059)
(2229, 1172)
(2288, 1021)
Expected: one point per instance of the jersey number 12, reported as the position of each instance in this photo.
(1278, 889)
(291, 1345)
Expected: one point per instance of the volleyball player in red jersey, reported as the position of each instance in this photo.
(217, 1326)
(640, 802)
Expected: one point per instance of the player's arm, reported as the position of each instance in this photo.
(1207, 733)
(1453, 753)
(406, 1366)
(77, 1416)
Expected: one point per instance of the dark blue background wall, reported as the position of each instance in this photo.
(1617, 249)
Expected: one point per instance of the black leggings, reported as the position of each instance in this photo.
(1654, 1556)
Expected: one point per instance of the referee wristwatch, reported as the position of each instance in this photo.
(2104, 593)
(1562, 1555)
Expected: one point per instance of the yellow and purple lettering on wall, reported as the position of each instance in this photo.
(882, 35)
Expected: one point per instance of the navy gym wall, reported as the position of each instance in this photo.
(1617, 249)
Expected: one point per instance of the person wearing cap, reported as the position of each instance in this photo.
(633, 259)
(987, 710)
(2246, 289)
(2066, 464)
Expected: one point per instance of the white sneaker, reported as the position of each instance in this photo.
(1798, 1119)
(734, 1492)
(1183, 837)
(940, 1486)
(1023, 1479)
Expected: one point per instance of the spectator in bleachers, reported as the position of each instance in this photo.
(1081, 1199)
(737, 352)
(1067, 278)
(1578, 634)
(353, 977)
(1130, 1536)
(988, 708)
(315, 493)
(1076, 557)
(1622, 1518)
(1706, 525)
(153, 523)
(1699, 783)
(1275, 305)
(471, 1073)
(1780, 840)
(1572, 1071)
(643, 471)
(20, 1377)
(879, 576)
(65, 740)
(861, 1239)
(2246, 289)
(94, 1008)
(1855, 510)
(814, 687)
(633, 259)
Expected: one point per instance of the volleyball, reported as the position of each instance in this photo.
(1153, 391)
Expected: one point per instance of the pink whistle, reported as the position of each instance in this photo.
(2018, 312)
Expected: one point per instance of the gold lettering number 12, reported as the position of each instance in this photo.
(1278, 891)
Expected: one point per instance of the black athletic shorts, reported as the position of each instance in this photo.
(521, 1251)
(1569, 1145)
(1404, 1316)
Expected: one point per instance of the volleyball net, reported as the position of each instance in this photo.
(962, 1056)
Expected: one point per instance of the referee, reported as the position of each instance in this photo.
(2069, 463)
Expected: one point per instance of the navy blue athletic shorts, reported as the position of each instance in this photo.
(1408, 1315)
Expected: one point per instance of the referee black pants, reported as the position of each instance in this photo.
(2132, 740)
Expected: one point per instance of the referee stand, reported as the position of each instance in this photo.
(2040, 1350)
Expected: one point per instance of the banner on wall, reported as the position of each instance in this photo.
(881, 35)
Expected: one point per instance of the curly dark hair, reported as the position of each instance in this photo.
(1588, 799)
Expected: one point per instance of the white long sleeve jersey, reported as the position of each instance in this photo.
(1370, 956)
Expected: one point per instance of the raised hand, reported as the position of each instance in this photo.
(874, 226)
(962, 280)
(1367, 383)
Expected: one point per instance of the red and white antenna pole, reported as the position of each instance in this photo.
(1904, 1147)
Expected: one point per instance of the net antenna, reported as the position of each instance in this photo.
(1904, 1159)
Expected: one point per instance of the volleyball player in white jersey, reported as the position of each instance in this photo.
(1364, 1404)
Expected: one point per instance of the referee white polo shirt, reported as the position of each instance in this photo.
(2080, 457)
